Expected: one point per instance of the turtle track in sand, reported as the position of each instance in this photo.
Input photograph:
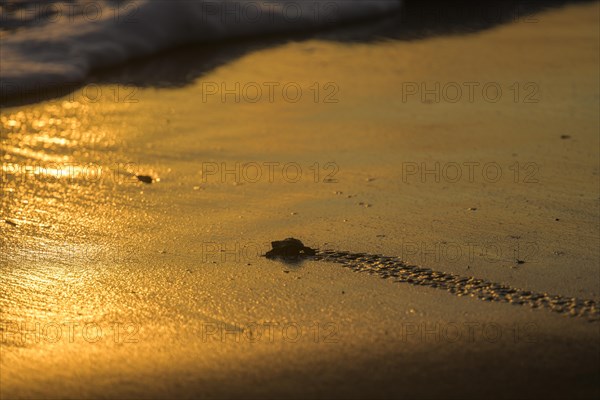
(396, 269)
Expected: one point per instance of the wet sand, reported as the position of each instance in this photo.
(170, 272)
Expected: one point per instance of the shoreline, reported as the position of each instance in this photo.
(411, 22)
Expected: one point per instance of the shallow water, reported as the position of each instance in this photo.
(49, 44)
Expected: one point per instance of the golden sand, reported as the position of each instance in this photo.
(115, 288)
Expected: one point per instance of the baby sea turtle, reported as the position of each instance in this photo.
(144, 178)
(289, 248)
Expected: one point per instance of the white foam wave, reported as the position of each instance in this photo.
(47, 44)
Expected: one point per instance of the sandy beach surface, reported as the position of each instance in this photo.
(474, 154)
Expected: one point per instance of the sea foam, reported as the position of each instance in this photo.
(45, 44)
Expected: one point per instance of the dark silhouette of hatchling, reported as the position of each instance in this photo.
(289, 248)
